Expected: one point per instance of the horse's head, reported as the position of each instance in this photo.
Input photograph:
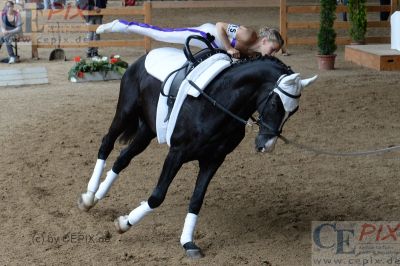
(276, 107)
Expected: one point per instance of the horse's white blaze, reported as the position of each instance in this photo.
(188, 228)
(94, 181)
(270, 145)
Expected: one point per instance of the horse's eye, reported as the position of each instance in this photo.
(274, 104)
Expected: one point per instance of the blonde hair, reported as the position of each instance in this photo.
(272, 35)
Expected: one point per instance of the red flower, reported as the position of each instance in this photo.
(113, 60)
(77, 59)
(80, 74)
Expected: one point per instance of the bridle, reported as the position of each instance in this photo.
(264, 128)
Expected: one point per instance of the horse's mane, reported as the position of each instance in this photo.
(269, 58)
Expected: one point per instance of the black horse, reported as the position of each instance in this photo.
(202, 132)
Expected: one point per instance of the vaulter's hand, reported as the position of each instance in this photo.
(234, 53)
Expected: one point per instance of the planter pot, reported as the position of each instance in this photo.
(326, 62)
(97, 76)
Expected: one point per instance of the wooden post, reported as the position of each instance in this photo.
(147, 20)
(393, 6)
(283, 21)
(34, 23)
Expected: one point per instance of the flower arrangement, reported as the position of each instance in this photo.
(97, 64)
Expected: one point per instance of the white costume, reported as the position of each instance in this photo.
(171, 35)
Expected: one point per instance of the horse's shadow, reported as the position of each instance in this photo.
(285, 216)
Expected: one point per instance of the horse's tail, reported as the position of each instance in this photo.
(129, 133)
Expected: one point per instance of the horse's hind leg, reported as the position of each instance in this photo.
(141, 141)
(172, 164)
(125, 122)
(87, 200)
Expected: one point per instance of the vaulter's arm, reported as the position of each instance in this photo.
(243, 35)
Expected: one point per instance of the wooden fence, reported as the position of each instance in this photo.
(215, 4)
(60, 22)
(287, 24)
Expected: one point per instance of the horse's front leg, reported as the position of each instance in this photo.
(172, 164)
(207, 170)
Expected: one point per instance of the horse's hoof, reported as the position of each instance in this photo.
(193, 251)
(86, 201)
(121, 224)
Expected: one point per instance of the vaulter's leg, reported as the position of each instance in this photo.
(172, 164)
(170, 35)
(207, 170)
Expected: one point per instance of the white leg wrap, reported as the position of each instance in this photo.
(106, 184)
(137, 214)
(94, 181)
(188, 228)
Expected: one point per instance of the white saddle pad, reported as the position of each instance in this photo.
(162, 61)
(202, 75)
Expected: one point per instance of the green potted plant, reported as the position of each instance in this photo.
(327, 35)
(358, 21)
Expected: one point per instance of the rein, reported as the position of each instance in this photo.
(220, 107)
(333, 153)
(258, 121)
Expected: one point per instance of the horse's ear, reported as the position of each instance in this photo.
(306, 82)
